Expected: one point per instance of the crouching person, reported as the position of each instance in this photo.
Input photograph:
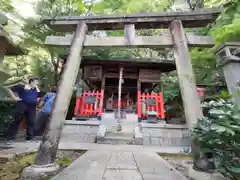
(44, 114)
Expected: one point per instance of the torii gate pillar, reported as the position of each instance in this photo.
(191, 101)
(46, 155)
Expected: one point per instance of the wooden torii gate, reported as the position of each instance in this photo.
(176, 38)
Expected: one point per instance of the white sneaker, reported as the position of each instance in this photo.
(29, 141)
(9, 142)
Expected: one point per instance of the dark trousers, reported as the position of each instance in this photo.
(41, 123)
(22, 110)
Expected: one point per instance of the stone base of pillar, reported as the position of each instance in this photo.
(119, 127)
(198, 175)
(37, 172)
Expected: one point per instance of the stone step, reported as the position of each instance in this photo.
(117, 138)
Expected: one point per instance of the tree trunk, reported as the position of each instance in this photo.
(47, 151)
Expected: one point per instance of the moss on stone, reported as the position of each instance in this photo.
(179, 156)
(11, 170)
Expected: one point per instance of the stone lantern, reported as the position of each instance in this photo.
(7, 48)
(229, 59)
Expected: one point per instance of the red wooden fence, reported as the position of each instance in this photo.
(89, 109)
(157, 107)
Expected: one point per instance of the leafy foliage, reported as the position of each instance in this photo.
(219, 133)
(227, 25)
(36, 32)
(6, 6)
(171, 88)
(7, 110)
(132, 6)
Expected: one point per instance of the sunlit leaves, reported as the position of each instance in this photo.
(230, 33)
(6, 6)
(227, 27)
(131, 6)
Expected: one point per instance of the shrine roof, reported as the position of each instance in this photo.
(190, 19)
(143, 63)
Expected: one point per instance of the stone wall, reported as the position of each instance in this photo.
(162, 135)
(80, 131)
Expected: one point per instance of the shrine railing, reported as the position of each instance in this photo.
(89, 104)
(150, 104)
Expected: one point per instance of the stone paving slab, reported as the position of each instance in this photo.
(122, 160)
(107, 165)
(90, 166)
(153, 167)
(122, 175)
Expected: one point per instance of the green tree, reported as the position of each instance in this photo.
(6, 6)
(36, 32)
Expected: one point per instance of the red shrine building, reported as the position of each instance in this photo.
(139, 79)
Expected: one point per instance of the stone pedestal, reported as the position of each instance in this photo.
(162, 134)
(229, 60)
(38, 172)
(196, 175)
(80, 131)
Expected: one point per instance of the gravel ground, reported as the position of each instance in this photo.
(11, 170)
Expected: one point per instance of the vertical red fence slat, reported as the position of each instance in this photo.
(139, 105)
(85, 110)
(77, 106)
(100, 111)
(148, 107)
(143, 108)
(90, 106)
(157, 105)
(82, 112)
(161, 105)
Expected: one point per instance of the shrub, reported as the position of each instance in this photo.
(219, 133)
(7, 109)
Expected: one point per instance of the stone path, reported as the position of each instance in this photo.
(119, 165)
(109, 162)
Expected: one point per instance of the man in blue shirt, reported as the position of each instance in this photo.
(27, 99)
(44, 114)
